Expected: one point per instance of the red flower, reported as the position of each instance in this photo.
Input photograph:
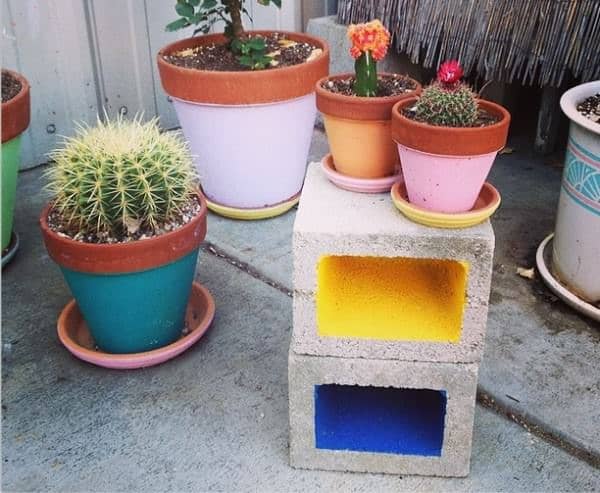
(450, 72)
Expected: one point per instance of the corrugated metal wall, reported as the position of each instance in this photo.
(82, 55)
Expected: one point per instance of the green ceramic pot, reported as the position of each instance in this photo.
(11, 157)
(15, 119)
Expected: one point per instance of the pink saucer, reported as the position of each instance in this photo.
(74, 335)
(361, 185)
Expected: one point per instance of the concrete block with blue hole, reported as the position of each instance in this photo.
(370, 283)
(381, 416)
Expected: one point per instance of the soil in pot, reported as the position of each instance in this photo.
(388, 85)
(589, 107)
(61, 225)
(10, 86)
(218, 57)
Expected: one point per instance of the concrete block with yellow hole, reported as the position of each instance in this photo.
(370, 283)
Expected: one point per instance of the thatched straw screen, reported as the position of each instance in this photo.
(532, 41)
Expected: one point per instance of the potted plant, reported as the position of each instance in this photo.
(447, 139)
(576, 244)
(15, 119)
(246, 104)
(357, 108)
(125, 225)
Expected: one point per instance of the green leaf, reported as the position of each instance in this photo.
(198, 18)
(268, 2)
(257, 44)
(195, 3)
(246, 60)
(178, 24)
(236, 46)
(184, 9)
(209, 4)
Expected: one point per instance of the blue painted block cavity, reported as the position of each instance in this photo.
(380, 419)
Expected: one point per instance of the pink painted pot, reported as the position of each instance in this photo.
(445, 168)
(444, 183)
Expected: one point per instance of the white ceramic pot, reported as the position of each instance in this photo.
(576, 246)
(249, 156)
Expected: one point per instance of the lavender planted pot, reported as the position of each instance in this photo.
(249, 130)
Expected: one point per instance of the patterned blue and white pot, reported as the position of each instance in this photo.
(576, 246)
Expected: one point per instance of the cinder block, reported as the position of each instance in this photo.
(381, 416)
(399, 289)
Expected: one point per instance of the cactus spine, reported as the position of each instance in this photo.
(121, 175)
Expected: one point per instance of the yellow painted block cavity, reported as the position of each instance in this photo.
(390, 298)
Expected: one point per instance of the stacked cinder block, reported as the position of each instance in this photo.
(389, 328)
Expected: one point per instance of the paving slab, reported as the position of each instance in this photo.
(213, 419)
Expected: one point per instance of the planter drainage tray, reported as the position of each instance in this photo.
(74, 335)
(485, 205)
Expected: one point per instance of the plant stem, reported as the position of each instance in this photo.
(235, 11)
(365, 68)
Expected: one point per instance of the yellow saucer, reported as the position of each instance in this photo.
(253, 214)
(485, 205)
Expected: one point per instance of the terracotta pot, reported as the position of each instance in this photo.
(576, 245)
(445, 168)
(251, 130)
(15, 119)
(133, 295)
(359, 131)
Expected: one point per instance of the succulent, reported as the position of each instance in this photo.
(448, 102)
(121, 175)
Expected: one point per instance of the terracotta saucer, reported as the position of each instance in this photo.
(253, 214)
(543, 260)
(361, 185)
(11, 249)
(74, 335)
(485, 205)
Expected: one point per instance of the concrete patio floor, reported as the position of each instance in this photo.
(215, 418)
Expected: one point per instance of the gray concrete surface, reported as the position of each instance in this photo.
(216, 417)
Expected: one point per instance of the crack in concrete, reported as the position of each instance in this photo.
(486, 400)
(483, 398)
(211, 248)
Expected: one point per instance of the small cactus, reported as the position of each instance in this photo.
(121, 175)
(448, 102)
(370, 43)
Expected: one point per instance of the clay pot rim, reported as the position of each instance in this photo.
(16, 110)
(371, 108)
(287, 75)
(448, 135)
(113, 258)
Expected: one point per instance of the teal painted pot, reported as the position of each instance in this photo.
(132, 296)
(11, 157)
(138, 311)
